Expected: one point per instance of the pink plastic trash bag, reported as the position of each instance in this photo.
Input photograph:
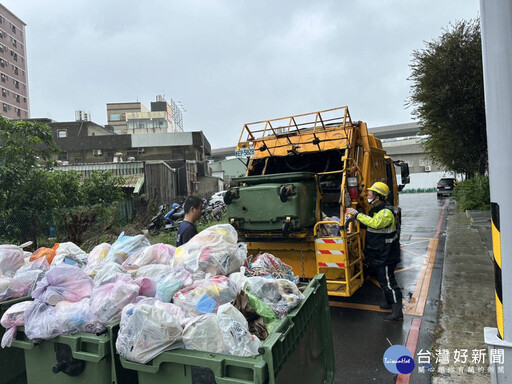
(10, 288)
(154, 254)
(205, 296)
(125, 246)
(13, 318)
(108, 300)
(41, 264)
(27, 281)
(63, 282)
(147, 286)
(214, 251)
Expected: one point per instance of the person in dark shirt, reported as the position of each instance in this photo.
(187, 228)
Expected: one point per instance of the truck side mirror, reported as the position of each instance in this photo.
(405, 173)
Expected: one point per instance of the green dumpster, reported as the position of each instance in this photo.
(79, 358)
(300, 350)
(12, 362)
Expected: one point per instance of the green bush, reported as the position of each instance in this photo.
(473, 194)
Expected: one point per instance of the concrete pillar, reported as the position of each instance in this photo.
(496, 22)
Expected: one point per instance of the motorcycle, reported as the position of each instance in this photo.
(174, 217)
(158, 221)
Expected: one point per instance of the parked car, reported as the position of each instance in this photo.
(445, 186)
(218, 196)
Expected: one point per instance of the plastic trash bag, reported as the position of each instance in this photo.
(41, 321)
(96, 258)
(12, 257)
(261, 318)
(235, 332)
(10, 288)
(48, 253)
(63, 282)
(27, 281)
(108, 300)
(154, 254)
(205, 296)
(125, 246)
(108, 273)
(203, 333)
(69, 249)
(268, 265)
(171, 283)
(280, 294)
(153, 271)
(214, 251)
(77, 317)
(40, 264)
(13, 318)
(147, 286)
(147, 329)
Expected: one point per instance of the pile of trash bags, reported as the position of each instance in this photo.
(205, 295)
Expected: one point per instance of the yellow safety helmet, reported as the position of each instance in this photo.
(380, 188)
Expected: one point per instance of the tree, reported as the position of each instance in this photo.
(448, 98)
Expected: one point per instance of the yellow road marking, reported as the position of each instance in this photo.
(419, 298)
(411, 267)
(364, 307)
(416, 242)
(414, 253)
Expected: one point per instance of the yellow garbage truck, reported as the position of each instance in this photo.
(303, 171)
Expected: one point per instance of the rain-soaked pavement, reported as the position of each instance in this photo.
(360, 335)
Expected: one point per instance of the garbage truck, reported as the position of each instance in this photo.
(303, 171)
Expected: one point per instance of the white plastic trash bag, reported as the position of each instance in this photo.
(96, 258)
(125, 246)
(203, 333)
(153, 271)
(108, 300)
(27, 281)
(13, 318)
(12, 257)
(147, 329)
(154, 254)
(205, 296)
(214, 251)
(108, 273)
(69, 249)
(41, 321)
(77, 317)
(63, 282)
(9, 288)
(280, 294)
(235, 332)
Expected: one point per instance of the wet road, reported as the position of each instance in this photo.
(360, 335)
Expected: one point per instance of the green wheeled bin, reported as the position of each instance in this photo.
(81, 358)
(12, 362)
(300, 350)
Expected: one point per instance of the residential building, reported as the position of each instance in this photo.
(13, 67)
(116, 114)
(135, 118)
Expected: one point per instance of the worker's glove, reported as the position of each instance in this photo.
(351, 212)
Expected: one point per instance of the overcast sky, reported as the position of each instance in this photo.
(229, 62)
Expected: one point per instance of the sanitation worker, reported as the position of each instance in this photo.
(187, 228)
(382, 247)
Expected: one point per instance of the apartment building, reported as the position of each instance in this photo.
(14, 97)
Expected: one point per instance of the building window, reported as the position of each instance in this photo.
(4, 92)
(17, 98)
(63, 156)
(62, 133)
(5, 107)
(13, 29)
(18, 112)
(25, 100)
(115, 117)
(78, 160)
(4, 78)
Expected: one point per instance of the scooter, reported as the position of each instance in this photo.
(175, 216)
(158, 221)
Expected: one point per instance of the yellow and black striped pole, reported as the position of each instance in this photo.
(496, 248)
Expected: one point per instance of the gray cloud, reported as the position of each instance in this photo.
(229, 62)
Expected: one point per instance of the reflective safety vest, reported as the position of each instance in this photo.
(381, 242)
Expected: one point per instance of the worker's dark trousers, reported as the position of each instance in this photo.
(387, 281)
